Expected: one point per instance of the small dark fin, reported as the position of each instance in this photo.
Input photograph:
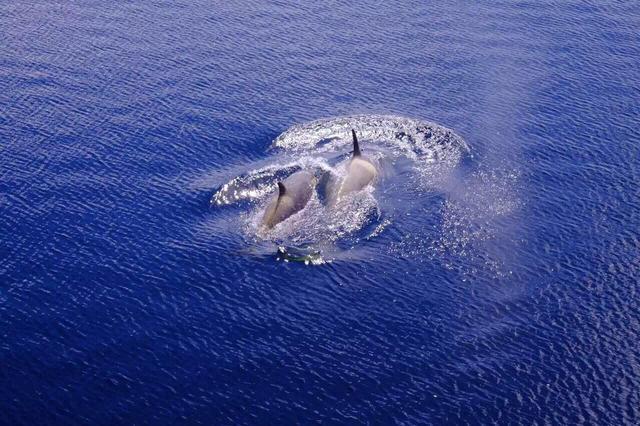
(356, 147)
(281, 189)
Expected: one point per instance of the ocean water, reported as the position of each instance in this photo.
(490, 276)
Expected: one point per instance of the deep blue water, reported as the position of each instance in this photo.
(496, 283)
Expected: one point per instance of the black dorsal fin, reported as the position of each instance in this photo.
(356, 147)
(281, 189)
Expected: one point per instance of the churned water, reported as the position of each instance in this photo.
(490, 276)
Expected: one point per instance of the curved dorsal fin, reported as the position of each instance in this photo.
(356, 147)
(281, 189)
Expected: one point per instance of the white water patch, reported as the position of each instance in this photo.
(415, 160)
(434, 150)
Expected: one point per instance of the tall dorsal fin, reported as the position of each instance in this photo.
(281, 189)
(356, 147)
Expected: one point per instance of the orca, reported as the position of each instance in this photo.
(293, 194)
(360, 173)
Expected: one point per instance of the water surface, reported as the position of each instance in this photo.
(490, 281)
